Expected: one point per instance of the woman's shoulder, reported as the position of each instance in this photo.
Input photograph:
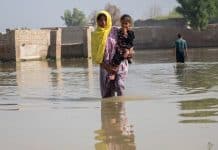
(113, 32)
(115, 29)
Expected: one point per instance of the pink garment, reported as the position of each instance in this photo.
(108, 87)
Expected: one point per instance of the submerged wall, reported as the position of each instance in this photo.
(164, 37)
(7, 46)
(57, 43)
(76, 41)
(32, 44)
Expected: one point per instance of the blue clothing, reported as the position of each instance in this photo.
(181, 46)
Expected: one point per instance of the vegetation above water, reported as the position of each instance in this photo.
(198, 12)
(78, 18)
(74, 18)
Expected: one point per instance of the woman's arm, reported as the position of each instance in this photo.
(109, 68)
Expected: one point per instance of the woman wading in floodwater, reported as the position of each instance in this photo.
(104, 40)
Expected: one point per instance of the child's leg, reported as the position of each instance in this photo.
(120, 86)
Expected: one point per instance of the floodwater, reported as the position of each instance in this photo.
(47, 105)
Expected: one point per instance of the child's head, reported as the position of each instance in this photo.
(126, 21)
(102, 20)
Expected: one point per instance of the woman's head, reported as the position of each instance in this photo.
(126, 21)
(104, 19)
(100, 36)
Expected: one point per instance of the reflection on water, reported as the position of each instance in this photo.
(7, 75)
(56, 100)
(47, 79)
(199, 111)
(197, 78)
(210, 146)
(9, 107)
(116, 132)
(152, 75)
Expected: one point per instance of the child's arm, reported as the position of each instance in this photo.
(131, 52)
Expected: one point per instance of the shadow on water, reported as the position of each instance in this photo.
(199, 111)
(197, 78)
(116, 132)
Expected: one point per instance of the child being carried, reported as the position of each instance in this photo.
(125, 38)
(124, 41)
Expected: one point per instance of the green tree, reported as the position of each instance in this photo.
(74, 18)
(216, 9)
(197, 12)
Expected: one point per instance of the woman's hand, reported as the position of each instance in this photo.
(109, 68)
(112, 70)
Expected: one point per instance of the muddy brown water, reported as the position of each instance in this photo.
(53, 105)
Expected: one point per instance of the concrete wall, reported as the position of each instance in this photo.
(72, 51)
(76, 42)
(32, 44)
(54, 50)
(44, 43)
(72, 42)
(164, 37)
(7, 46)
(172, 22)
(72, 35)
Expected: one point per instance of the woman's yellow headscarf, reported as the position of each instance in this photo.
(99, 39)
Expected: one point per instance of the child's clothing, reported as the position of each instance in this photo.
(124, 41)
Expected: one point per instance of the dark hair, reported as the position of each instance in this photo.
(101, 15)
(126, 17)
(179, 35)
